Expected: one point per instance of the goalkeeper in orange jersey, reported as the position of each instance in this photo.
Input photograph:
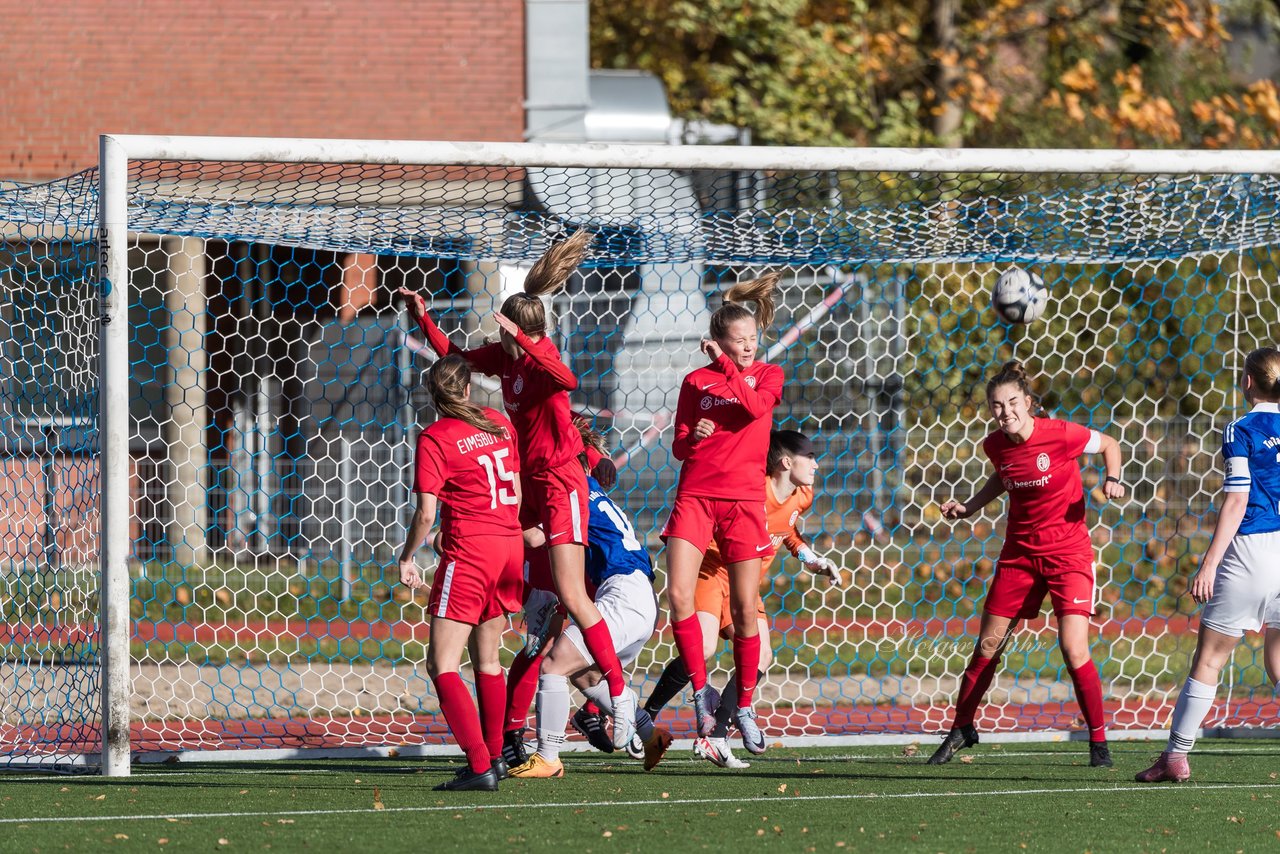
(790, 473)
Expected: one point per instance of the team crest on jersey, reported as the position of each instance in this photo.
(1042, 462)
(751, 382)
(795, 514)
(518, 385)
(706, 403)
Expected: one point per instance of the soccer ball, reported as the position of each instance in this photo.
(1019, 296)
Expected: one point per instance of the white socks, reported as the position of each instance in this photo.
(599, 694)
(553, 715)
(1193, 706)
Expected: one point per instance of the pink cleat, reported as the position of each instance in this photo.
(1171, 767)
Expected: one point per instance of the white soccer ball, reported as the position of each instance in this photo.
(1019, 296)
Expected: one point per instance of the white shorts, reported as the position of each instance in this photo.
(630, 610)
(1246, 591)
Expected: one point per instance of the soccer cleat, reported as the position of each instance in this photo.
(538, 768)
(635, 747)
(514, 751)
(500, 768)
(591, 726)
(752, 737)
(1170, 767)
(717, 752)
(705, 702)
(958, 739)
(1100, 754)
(624, 717)
(656, 747)
(467, 780)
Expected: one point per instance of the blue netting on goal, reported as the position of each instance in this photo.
(276, 391)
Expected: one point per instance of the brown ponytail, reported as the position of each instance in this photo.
(1263, 367)
(447, 382)
(1011, 373)
(760, 291)
(590, 438)
(548, 275)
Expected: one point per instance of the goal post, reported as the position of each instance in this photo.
(259, 390)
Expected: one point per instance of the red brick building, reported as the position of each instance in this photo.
(365, 69)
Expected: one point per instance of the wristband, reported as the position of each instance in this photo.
(1113, 479)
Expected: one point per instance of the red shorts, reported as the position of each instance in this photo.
(556, 499)
(479, 577)
(1021, 581)
(738, 527)
(711, 596)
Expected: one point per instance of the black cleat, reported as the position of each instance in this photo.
(514, 752)
(1100, 755)
(591, 726)
(467, 780)
(958, 739)
(500, 768)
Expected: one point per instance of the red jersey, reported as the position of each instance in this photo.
(730, 463)
(535, 393)
(1042, 477)
(472, 473)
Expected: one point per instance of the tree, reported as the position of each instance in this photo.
(1094, 73)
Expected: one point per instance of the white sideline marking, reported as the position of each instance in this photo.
(601, 761)
(1092, 790)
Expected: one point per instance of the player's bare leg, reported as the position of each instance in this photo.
(444, 661)
(1073, 639)
(683, 561)
(993, 634)
(744, 594)
(1213, 650)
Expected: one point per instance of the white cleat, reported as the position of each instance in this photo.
(752, 737)
(717, 752)
(624, 717)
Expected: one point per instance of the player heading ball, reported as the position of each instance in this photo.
(1047, 549)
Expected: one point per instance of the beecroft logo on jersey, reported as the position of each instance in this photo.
(1042, 462)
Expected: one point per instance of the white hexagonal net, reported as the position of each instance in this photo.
(276, 390)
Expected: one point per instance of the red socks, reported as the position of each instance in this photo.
(522, 685)
(491, 696)
(1089, 695)
(973, 686)
(688, 635)
(600, 644)
(460, 714)
(746, 665)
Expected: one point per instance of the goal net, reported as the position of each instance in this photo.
(269, 388)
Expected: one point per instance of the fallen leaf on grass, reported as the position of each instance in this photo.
(100, 798)
(607, 834)
(760, 832)
(68, 788)
(222, 840)
(967, 760)
(163, 840)
(284, 821)
(783, 788)
(910, 750)
(244, 791)
(666, 794)
(377, 799)
(122, 836)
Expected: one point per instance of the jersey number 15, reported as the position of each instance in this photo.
(495, 466)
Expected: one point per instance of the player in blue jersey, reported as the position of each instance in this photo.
(1239, 577)
(621, 571)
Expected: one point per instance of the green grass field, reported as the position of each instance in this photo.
(1010, 797)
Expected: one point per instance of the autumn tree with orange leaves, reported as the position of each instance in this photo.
(1033, 73)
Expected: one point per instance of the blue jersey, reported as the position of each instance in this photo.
(1251, 446)
(613, 548)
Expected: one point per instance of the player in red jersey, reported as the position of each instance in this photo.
(535, 392)
(723, 418)
(1047, 549)
(467, 463)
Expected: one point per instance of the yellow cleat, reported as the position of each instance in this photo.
(538, 768)
(656, 747)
